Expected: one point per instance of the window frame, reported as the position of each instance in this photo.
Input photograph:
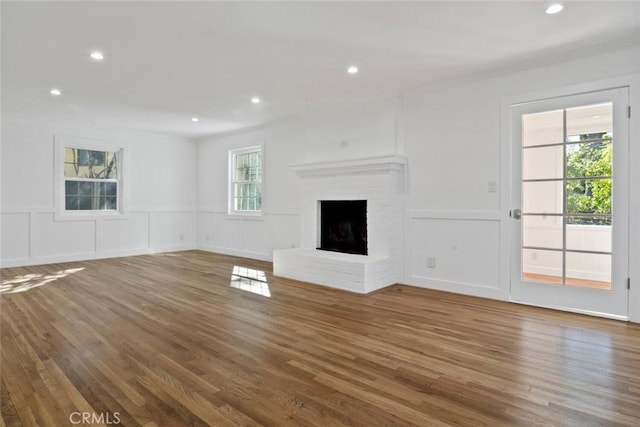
(62, 142)
(233, 153)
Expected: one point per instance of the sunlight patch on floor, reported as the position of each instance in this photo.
(31, 281)
(250, 280)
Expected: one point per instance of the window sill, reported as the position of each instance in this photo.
(245, 216)
(89, 215)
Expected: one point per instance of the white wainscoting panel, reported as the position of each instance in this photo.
(63, 238)
(15, 235)
(31, 237)
(172, 230)
(256, 236)
(206, 228)
(247, 236)
(125, 235)
(228, 232)
(466, 248)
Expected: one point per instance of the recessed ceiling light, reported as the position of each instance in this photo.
(195, 119)
(554, 8)
(352, 70)
(55, 92)
(255, 100)
(98, 56)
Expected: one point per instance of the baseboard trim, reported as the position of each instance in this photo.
(237, 252)
(25, 262)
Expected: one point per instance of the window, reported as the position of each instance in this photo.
(245, 192)
(89, 178)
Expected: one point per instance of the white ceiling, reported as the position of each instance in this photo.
(166, 62)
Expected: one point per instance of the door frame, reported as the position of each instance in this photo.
(632, 82)
(613, 303)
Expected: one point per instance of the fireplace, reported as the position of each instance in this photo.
(363, 199)
(343, 226)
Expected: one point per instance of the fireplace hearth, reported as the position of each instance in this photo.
(343, 226)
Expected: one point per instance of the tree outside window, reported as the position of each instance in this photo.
(589, 178)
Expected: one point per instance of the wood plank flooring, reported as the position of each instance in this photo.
(164, 340)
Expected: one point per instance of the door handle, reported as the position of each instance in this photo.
(516, 214)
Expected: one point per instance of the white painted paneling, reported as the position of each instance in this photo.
(466, 252)
(58, 238)
(205, 227)
(256, 236)
(228, 232)
(15, 235)
(172, 230)
(252, 237)
(125, 235)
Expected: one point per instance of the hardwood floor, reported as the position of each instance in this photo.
(164, 340)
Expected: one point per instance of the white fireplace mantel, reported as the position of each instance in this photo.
(351, 167)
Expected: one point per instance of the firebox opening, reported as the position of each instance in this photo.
(343, 226)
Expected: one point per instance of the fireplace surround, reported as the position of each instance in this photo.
(378, 184)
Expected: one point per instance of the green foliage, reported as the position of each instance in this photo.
(590, 160)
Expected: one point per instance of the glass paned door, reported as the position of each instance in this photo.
(571, 215)
(566, 186)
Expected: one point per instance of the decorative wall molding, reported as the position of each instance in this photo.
(265, 212)
(25, 262)
(352, 167)
(246, 236)
(457, 214)
(490, 284)
(236, 252)
(33, 235)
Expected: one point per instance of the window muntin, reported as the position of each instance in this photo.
(246, 180)
(91, 180)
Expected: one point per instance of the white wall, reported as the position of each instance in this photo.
(251, 236)
(162, 195)
(365, 129)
